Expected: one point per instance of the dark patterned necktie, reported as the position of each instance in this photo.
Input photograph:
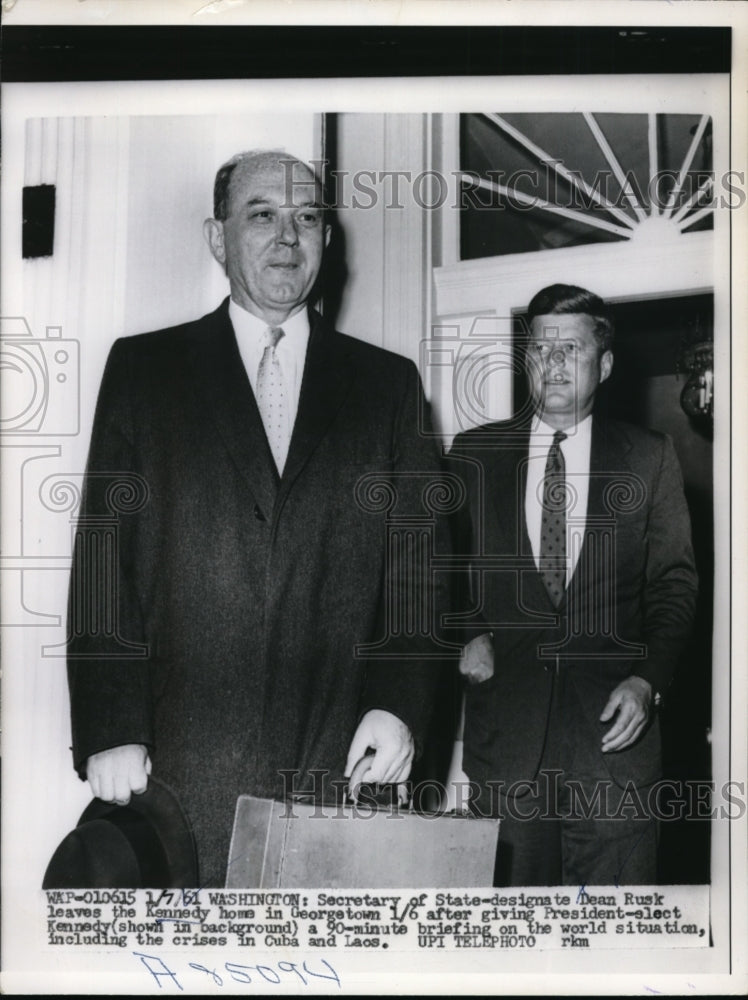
(553, 522)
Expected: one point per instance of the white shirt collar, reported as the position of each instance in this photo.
(246, 324)
(542, 433)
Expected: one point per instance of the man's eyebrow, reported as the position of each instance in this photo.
(310, 203)
(251, 202)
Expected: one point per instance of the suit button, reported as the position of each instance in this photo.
(258, 513)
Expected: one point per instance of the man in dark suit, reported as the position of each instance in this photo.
(252, 569)
(582, 593)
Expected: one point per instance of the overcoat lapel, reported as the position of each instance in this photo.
(328, 378)
(223, 385)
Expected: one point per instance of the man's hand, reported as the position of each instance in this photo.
(476, 659)
(114, 774)
(393, 748)
(631, 699)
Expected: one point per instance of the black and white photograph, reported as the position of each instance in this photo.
(373, 454)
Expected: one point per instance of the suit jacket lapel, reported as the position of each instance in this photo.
(328, 377)
(506, 515)
(507, 499)
(608, 462)
(223, 385)
(599, 465)
(533, 589)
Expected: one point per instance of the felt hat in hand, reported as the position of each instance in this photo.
(145, 844)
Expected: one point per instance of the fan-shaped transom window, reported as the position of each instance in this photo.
(542, 181)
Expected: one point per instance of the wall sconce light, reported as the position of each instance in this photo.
(697, 397)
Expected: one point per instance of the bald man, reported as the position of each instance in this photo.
(252, 573)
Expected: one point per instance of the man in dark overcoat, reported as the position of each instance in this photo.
(582, 595)
(254, 563)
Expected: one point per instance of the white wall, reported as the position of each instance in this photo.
(387, 292)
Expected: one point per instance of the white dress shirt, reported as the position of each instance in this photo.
(290, 351)
(576, 452)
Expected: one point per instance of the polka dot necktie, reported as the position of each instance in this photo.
(553, 522)
(272, 398)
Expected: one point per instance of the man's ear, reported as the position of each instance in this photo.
(213, 233)
(606, 365)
